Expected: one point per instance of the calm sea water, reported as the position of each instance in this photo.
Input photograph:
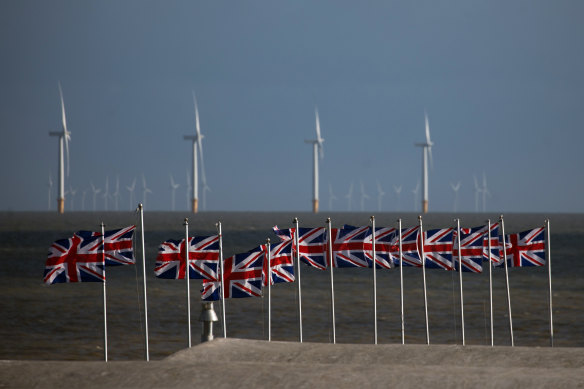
(65, 321)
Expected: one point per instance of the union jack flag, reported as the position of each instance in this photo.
(242, 276)
(384, 237)
(438, 248)
(119, 249)
(311, 242)
(410, 251)
(526, 248)
(471, 248)
(203, 258)
(77, 259)
(496, 257)
(284, 234)
(282, 265)
(348, 247)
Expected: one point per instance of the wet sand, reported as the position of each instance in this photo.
(227, 363)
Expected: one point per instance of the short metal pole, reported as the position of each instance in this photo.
(207, 317)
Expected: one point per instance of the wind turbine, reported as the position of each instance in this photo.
(477, 189)
(426, 151)
(50, 189)
(415, 192)
(145, 190)
(173, 187)
(380, 194)
(83, 200)
(349, 197)
(317, 147)
(64, 138)
(331, 197)
(397, 190)
(197, 140)
(95, 192)
(485, 191)
(188, 190)
(116, 194)
(105, 193)
(455, 188)
(131, 189)
(73, 192)
(364, 196)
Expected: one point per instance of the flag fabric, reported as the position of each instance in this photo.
(438, 249)
(312, 250)
(384, 237)
(118, 245)
(348, 247)
(471, 248)
(77, 259)
(282, 264)
(496, 256)
(242, 276)
(203, 258)
(410, 250)
(284, 234)
(526, 248)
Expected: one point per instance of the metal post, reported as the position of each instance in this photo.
(295, 221)
(222, 279)
(507, 280)
(269, 280)
(549, 258)
(421, 232)
(401, 279)
(374, 279)
(188, 278)
(460, 280)
(104, 292)
(330, 264)
(491, 282)
(207, 317)
(141, 211)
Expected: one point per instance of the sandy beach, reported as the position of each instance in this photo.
(226, 363)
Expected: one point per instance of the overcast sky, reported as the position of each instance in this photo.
(501, 81)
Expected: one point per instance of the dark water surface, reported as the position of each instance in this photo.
(65, 321)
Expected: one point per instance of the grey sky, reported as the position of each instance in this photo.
(502, 83)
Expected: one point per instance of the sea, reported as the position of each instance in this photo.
(66, 321)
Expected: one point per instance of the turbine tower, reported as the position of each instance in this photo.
(50, 189)
(331, 197)
(426, 152)
(105, 193)
(455, 188)
(131, 189)
(485, 191)
(197, 140)
(477, 189)
(415, 192)
(64, 138)
(145, 190)
(95, 191)
(72, 192)
(116, 194)
(380, 194)
(364, 196)
(317, 147)
(397, 190)
(188, 190)
(349, 197)
(173, 187)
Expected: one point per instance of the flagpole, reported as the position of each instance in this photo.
(507, 280)
(222, 280)
(330, 258)
(549, 258)
(401, 279)
(141, 211)
(490, 281)
(295, 221)
(424, 277)
(104, 292)
(188, 278)
(374, 279)
(460, 280)
(269, 276)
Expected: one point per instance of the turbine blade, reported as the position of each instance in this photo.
(318, 138)
(428, 141)
(197, 122)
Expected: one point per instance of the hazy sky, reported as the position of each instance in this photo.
(501, 81)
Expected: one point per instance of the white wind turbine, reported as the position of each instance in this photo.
(64, 138)
(145, 190)
(397, 190)
(477, 189)
(455, 188)
(116, 194)
(173, 187)
(131, 189)
(197, 140)
(72, 192)
(188, 190)
(50, 184)
(415, 192)
(380, 194)
(317, 147)
(331, 197)
(83, 194)
(95, 192)
(364, 196)
(105, 193)
(485, 191)
(426, 152)
(349, 197)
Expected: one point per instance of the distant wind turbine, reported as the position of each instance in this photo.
(105, 193)
(116, 194)
(173, 187)
(131, 189)
(331, 197)
(197, 140)
(397, 190)
(95, 191)
(455, 188)
(317, 147)
(380, 194)
(349, 197)
(83, 200)
(485, 191)
(477, 189)
(72, 192)
(426, 152)
(64, 138)
(188, 190)
(50, 184)
(364, 196)
(415, 192)
(145, 190)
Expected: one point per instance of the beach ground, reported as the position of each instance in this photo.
(228, 363)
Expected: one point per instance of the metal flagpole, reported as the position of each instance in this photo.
(507, 280)
(460, 280)
(549, 258)
(424, 277)
(188, 278)
(141, 211)
(295, 221)
(401, 279)
(374, 278)
(104, 293)
(330, 264)
(490, 281)
(222, 280)
(269, 276)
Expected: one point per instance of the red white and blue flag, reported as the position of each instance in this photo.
(282, 264)
(410, 250)
(118, 245)
(384, 237)
(526, 248)
(348, 247)
(77, 259)
(438, 249)
(311, 246)
(496, 256)
(242, 276)
(471, 249)
(203, 258)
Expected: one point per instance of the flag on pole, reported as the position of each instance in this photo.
(311, 242)
(438, 248)
(242, 277)
(384, 246)
(282, 264)
(410, 249)
(203, 258)
(119, 245)
(77, 259)
(526, 248)
(496, 257)
(471, 248)
(348, 246)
